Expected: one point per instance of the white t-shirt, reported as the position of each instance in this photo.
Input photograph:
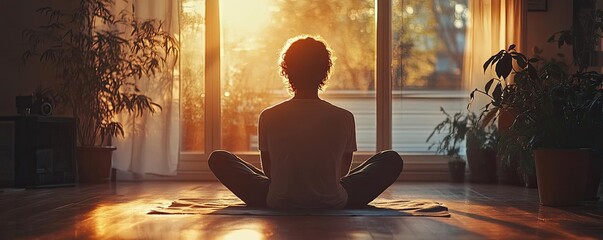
(306, 140)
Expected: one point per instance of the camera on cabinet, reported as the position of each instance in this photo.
(40, 103)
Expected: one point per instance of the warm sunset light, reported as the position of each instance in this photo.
(99, 223)
(245, 18)
(248, 234)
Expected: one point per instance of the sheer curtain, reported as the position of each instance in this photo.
(493, 25)
(151, 142)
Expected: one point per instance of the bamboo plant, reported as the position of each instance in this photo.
(101, 57)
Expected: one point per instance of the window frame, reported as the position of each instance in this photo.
(418, 166)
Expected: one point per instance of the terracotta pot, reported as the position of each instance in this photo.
(457, 171)
(561, 175)
(482, 165)
(94, 163)
(506, 119)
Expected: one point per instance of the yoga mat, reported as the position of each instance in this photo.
(234, 206)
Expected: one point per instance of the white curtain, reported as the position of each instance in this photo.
(151, 142)
(493, 25)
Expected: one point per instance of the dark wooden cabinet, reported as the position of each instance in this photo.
(37, 151)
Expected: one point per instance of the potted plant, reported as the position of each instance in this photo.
(100, 58)
(558, 120)
(454, 129)
(499, 111)
(584, 37)
(481, 150)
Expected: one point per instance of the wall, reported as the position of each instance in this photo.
(19, 78)
(541, 25)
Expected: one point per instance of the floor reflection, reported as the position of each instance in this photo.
(100, 222)
(478, 212)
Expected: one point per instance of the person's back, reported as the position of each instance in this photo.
(306, 146)
(306, 139)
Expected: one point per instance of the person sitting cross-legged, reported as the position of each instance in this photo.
(306, 146)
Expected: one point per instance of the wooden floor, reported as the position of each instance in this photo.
(118, 211)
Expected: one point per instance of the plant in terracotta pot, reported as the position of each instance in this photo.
(500, 91)
(583, 38)
(454, 129)
(558, 111)
(558, 120)
(481, 150)
(100, 58)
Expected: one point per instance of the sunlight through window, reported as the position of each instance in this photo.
(253, 33)
(246, 18)
(247, 234)
(428, 48)
(427, 62)
(192, 75)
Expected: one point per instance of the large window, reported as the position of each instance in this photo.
(253, 33)
(427, 38)
(428, 47)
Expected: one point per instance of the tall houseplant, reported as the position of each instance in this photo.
(559, 119)
(101, 57)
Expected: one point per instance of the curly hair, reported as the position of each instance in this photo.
(305, 63)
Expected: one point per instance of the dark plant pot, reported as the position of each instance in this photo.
(482, 165)
(94, 163)
(562, 175)
(527, 170)
(507, 171)
(594, 176)
(457, 171)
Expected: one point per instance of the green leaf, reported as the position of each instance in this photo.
(521, 62)
(488, 85)
(520, 55)
(504, 66)
(488, 62)
(497, 93)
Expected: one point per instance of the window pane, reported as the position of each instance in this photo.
(192, 73)
(253, 33)
(428, 46)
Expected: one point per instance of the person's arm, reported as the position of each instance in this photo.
(265, 160)
(346, 163)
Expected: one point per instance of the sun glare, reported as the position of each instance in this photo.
(247, 17)
(239, 234)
